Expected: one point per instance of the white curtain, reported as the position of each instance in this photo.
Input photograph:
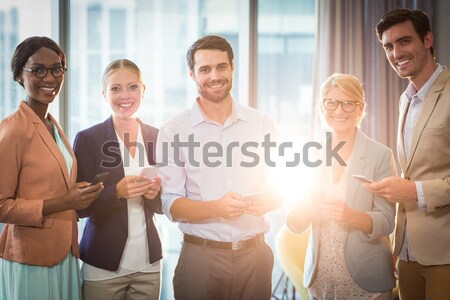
(347, 43)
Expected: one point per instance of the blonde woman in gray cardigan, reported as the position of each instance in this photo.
(349, 254)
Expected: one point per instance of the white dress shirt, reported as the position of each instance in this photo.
(206, 182)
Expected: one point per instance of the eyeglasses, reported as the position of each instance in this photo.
(347, 105)
(41, 72)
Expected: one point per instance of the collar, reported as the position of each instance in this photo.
(198, 116)
(32, 115)
(422, 93)
(110, 132)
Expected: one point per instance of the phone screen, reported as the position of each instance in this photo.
(99, 178)
(149, 172)
(362, 178)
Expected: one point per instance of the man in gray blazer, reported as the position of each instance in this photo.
(422, 235)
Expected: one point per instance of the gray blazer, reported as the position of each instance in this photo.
(368, 257)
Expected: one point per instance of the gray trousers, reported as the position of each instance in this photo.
(205, 273)
(135, 286)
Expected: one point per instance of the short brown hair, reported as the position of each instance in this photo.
(209, 42)
(418, 18)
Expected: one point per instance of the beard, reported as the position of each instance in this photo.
(215, 96)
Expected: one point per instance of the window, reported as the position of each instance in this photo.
(18, 22)
(156, 35)
(153, 34)
(286, 38)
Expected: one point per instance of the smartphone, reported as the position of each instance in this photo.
(99, 178)
(363, 179)
(149, 172)
(253, 197)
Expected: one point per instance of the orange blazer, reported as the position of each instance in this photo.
(33, 169)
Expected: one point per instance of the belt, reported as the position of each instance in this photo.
(240, 245)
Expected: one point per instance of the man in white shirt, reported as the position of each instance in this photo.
(211, 157)
(422, 235)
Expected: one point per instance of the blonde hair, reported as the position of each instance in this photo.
(118, 65)
(348, 84)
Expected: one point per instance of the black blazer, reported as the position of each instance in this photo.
(106, 231)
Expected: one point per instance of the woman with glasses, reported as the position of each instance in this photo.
(120, 247)
(349, 255)
(38, 193)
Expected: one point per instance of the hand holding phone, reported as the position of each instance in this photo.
(363, 179)
(99, 178)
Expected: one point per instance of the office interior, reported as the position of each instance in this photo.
(283, 49)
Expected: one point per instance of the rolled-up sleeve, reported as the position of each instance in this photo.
(167, 202)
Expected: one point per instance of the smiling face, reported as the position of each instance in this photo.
(42, 90)
(339, 121)
(405, 51)
(213, 74)
(124, 92)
